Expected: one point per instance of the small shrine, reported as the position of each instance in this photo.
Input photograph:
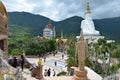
(62, 43)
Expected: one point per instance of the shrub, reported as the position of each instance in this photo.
(61, 73)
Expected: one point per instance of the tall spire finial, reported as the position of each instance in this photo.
(87, 8)
(61, 34)
(49, 25)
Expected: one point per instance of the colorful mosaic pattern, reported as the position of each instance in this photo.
(7, 72)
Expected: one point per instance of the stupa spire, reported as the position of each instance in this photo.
(49, 25)
(87, 8)
(61, 34)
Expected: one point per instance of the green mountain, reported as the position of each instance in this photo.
(34, 24)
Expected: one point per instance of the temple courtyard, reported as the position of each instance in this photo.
(61, 66)
(51, 56)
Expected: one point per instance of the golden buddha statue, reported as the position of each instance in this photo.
(23, 54)
(39, 62)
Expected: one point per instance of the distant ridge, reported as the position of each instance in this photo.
(108, 27)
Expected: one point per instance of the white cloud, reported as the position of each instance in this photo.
(48, 3)
(107, 10)
(19, 5)
(61, 9)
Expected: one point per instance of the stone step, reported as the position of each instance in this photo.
(59, 78)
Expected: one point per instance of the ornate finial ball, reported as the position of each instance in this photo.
(39, 62)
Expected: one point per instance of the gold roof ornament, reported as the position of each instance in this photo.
(3, 10)
(87, 8)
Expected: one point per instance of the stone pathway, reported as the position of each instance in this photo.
(60, 67)
(50, 59)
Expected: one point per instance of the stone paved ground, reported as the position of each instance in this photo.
(58, 57)
(59, 78)
(91, 74)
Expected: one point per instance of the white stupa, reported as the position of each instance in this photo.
(88, 27)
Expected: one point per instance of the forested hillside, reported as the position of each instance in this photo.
(34, 24)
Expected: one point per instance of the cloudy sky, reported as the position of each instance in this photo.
(61, 9)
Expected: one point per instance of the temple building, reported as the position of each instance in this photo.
(3, 30)
(88, 27)
(49, 31)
